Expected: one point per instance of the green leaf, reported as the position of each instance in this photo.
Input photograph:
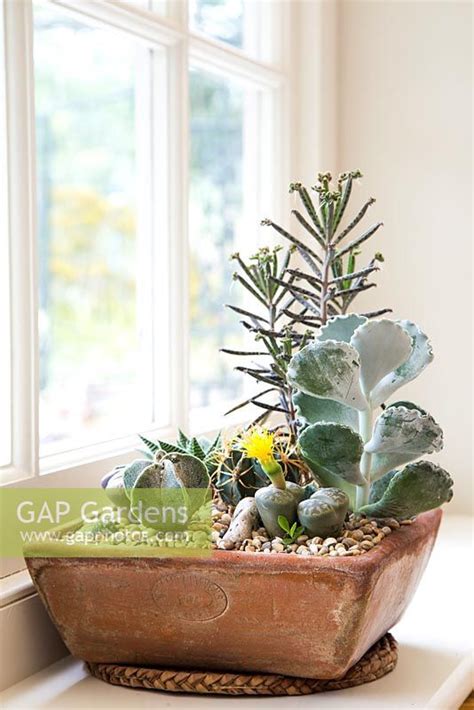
(419, 487)
(420, 357)
(401, 435)
(341, 327)
(284, 524)
(329, 370)
(383, 345)
(315, 409)
(335, 449)
(182, 440)
(292, 529)
(152, 446)
(196, 449)
(170, 448)
(216, 443)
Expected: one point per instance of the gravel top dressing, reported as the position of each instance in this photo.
(359, 536)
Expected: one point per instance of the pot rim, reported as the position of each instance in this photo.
(377, 557)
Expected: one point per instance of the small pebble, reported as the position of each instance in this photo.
(348, 541)
(358, 536)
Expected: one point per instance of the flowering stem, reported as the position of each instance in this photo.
(275, 473)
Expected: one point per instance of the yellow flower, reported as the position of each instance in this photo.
(258, 444)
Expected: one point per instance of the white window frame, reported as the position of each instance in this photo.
(182, 47)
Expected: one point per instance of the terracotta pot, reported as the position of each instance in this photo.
(310, 617)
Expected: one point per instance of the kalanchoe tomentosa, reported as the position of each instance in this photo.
(343, 377)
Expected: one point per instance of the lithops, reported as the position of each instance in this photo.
(323, 514)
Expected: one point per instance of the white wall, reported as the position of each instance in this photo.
(401, 112)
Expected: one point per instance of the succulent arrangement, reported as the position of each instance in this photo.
(345, 446)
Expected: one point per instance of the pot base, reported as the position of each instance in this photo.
(379, 660)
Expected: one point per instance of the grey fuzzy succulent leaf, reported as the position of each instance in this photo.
(334, 449)
(150, 477)
(133, 470)
(115, 489)
(378, 488)
(383, 346)
(174, 481)
(408, 405)
(311, 410)
(189, 470)
(418, 487)
(401, 435)
(330, 370)
(341, 328)
(145, 453)
(420, 356)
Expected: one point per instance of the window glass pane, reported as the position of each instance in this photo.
(221, 19)
(216, 231)
(94, 374)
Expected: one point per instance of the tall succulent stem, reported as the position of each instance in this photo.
(294, 298)
(365, 431)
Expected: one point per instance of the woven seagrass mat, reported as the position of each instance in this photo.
(377, 662)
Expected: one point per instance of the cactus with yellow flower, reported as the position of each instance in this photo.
(318, 514)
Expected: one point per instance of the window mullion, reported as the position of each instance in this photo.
(22, 228)
(178, 141)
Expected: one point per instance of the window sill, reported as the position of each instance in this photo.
(14, 587)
